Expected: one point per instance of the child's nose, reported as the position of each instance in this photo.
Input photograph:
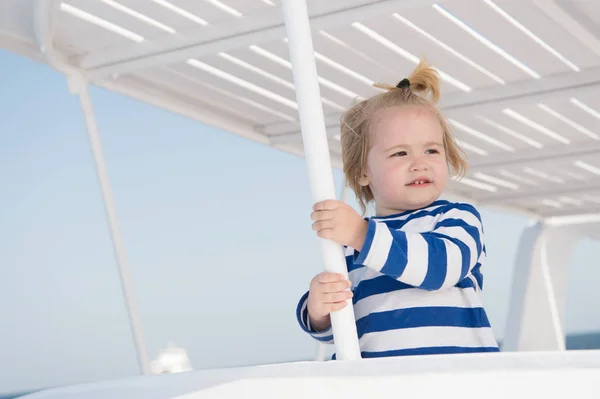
(418, 165)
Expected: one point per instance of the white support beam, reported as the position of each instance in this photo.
(265, 27)
(575, 216)
(79, 87)
(131, 88)
(529, 156)
(532, 91)
(331, 121)
(564, 14)
(536, 317)
(20, 46)
(290, 139)
(536, 192)
(45, 12)
(296, 139)
(202, 99)
(498, 97)
(559, 86)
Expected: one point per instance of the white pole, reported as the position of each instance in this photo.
(79, 86)
(322, 348)
(550, 294)
(45, 16)
(316, 150)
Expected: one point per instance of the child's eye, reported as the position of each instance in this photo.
(432, 151)
(400, 153)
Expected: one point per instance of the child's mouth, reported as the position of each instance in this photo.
(420, 183)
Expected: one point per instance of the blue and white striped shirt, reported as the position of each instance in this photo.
(417, 284)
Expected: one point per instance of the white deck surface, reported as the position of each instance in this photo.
(501, 375)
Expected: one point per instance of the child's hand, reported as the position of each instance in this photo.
(328, 293)
(337, 221)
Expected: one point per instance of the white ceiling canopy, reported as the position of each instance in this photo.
(519, 78)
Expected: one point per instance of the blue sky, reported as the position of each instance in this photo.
(217, 232)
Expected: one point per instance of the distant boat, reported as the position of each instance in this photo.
(171, 360)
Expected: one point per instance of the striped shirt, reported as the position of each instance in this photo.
(417, 283)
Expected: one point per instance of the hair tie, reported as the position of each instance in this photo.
(404, 83)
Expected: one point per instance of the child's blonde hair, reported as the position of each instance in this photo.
(355, 125)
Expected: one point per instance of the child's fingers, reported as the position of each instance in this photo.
(322, 225)
(326, 205)
(321, 215)
(336, 286)
(336, 297)
(329, 277)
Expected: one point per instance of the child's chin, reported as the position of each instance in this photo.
(420, 201)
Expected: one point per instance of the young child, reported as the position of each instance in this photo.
(414, 268)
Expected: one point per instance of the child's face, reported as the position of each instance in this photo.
(406, 146)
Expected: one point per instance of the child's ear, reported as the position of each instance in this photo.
(363, 180)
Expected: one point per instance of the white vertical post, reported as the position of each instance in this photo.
(45, 16)
(79, 86)
(322, 348)
(316, 150)
(536, 316)
(553, 308)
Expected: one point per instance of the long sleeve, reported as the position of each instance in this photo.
(325, 337)
(433, 260)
